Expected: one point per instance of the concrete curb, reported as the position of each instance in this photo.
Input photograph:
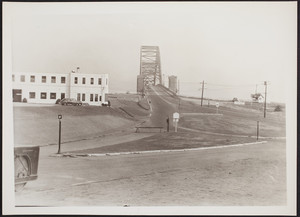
(154, 151)
(195, 114)
(223, 134)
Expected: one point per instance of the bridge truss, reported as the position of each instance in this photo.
(150, 67)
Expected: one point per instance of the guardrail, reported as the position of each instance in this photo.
(138, 128)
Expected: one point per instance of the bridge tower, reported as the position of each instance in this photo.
(150, 68)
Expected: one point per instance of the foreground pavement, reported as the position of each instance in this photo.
(252, 175)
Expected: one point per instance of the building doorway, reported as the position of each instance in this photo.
(17, 95)
(62, 96)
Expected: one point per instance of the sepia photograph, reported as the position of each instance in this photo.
(149, 108)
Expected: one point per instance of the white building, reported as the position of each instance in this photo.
(48, 87)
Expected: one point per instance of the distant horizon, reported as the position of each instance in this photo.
(220, 43)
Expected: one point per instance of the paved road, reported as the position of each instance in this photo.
(163, 105)
(248, 175)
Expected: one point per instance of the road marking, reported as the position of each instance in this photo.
(162, 98)
(162, 151)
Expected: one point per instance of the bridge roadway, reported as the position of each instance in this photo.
(163, 105)
(248, 175)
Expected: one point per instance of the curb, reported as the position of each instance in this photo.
(223, 134)
(194, 114)
(154, 151)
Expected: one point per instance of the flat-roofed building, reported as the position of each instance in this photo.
(48, 87)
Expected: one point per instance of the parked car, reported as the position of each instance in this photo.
(26, 165)
(70, 101)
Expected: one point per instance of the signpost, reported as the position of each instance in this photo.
(168, 124)
(59, 133)
(217, 105)
(175, 119)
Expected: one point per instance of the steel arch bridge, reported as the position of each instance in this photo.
(150, 67)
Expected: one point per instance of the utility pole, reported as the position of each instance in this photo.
(265, 104)
(202, 93)
(257, 130)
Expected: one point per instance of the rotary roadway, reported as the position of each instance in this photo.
(240, 175)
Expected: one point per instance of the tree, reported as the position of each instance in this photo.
(256, 96)
(278, 108)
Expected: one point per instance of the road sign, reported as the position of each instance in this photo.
(175, 119)
(176, 115)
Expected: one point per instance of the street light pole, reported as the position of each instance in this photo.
(59, 133)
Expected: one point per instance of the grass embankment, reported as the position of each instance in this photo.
(170, 141)
(131, 104)
(38, 125)
(234, 119)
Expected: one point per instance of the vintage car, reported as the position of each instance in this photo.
(70, 101)
(26, 161)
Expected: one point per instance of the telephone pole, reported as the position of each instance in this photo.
(202, 93)
(265, 104)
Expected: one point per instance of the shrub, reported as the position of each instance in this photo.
(57, 101)
(24, 100)
(278, 108)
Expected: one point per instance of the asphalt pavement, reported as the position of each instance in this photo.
(252, 175)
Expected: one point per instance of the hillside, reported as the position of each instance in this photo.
(38, 124)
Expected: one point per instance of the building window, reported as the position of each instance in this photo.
(91, 97)
(13, 77)
(43, 95)
(53, 79)
(32, 95)
(96, 97)
(63, 80)
(106, 81)
(52, 95)
(83, 80)
(22, 78)
(32, 78)
(62, 95)
(76, 80)
(100, 98)
(83, 97)
(78, 96)
(99, 81)
(44, 79)
(92, 80)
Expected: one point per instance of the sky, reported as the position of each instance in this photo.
(232, 46)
